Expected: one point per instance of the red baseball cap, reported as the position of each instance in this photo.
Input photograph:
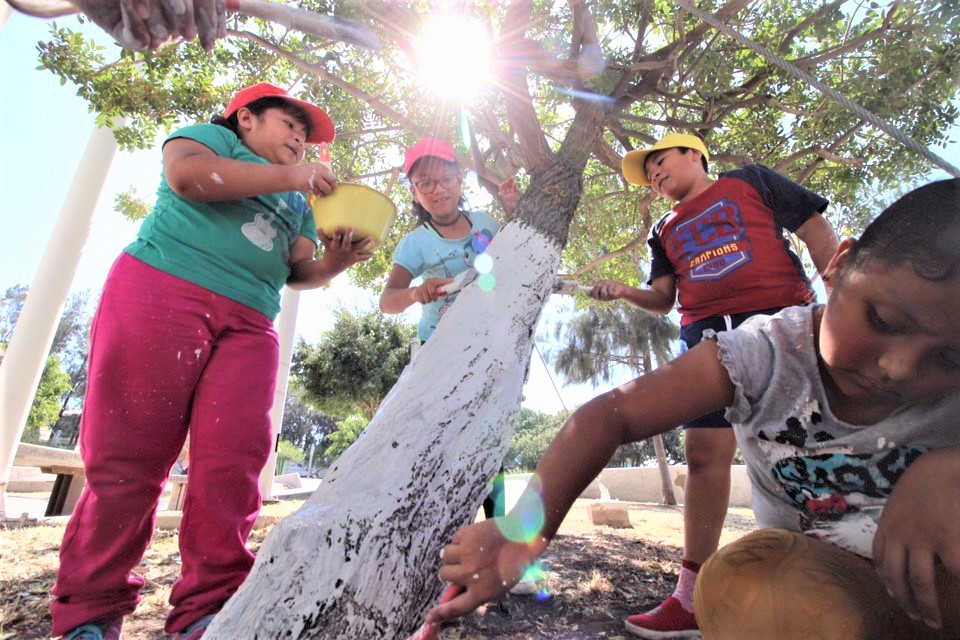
(321, 126)
(428, 147)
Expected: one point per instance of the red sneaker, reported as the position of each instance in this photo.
(667, 621)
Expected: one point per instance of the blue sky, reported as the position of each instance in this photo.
(44, 132)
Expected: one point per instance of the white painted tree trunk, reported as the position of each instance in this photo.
(356, 561)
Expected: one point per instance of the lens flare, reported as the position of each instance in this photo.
(538, 576)
(486, 282)
(483, 263)
(454, 56)
(526, 528)
(465, 130)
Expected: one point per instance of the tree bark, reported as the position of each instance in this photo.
(666, 486)
(359, 559)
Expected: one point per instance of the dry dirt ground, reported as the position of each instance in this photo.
(596, 577)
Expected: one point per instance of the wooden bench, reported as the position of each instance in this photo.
(70, 477)
(68, 466)
(178, 492)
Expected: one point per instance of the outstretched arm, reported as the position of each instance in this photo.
(490, 556)
(339, 254)
(148, 24)
(659, 298)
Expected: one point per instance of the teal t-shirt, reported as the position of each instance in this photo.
(237, 248)
(424, 252)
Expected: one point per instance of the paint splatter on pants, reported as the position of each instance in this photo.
(167, 358)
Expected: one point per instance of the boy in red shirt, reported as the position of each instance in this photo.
(722, 254)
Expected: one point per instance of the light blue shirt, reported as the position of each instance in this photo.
(425, 253)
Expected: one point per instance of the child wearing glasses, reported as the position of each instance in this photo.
(444, 243)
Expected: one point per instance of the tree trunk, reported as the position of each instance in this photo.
(666, 486)
(359, 559)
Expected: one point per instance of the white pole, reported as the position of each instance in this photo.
(30, 342)
(286, 327)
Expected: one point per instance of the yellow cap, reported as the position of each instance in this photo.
(632, 165)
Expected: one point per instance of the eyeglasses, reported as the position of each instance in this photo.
(429, 186)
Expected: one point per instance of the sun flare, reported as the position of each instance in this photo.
(454, 56)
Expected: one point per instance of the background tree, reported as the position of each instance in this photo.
(287, 452)
(54, 384)
(604, 337)
(576, 86)
(532, 433)
(306, 427)
(348, 430)
(68, 351)
(355, 363)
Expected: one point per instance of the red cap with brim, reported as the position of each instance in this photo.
(321, 126)
(428, 147)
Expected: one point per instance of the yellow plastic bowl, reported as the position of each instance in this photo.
(367, 211)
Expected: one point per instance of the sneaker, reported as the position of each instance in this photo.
(107, 630)
(667, 621)
(532, 581)
(196, 630)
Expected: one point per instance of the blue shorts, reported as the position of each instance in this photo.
(692, 334)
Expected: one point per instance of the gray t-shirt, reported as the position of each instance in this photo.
(810, 471)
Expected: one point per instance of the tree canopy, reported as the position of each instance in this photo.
(532, 433)
(305, 427)
(645, 67)
(355, 363)
(64, 373)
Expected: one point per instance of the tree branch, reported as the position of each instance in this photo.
(511, 66)
(381, 107)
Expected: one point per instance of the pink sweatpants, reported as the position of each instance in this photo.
(167, 357)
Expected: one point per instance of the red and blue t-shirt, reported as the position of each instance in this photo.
(727, 249)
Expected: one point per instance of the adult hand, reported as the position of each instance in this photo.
(486, 563)
(607, 290)
(147, 24)
(921, 524)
